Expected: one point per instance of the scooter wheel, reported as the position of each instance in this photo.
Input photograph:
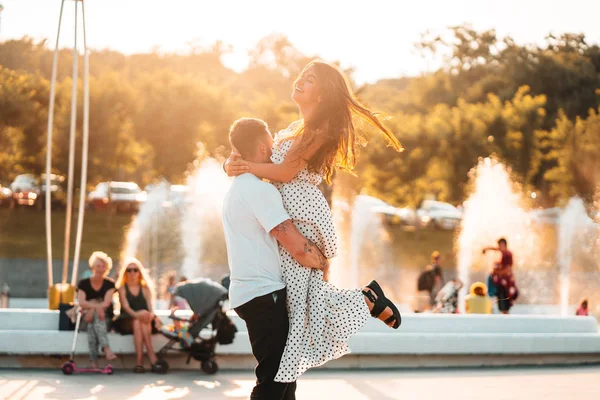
(68, 368)
(109, 370)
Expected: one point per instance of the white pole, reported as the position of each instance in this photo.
(84, 150)
(49, 150)
(71, 155)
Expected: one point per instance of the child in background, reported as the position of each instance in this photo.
(583, 308)
(477, 302)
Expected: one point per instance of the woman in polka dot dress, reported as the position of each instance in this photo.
(322, 317)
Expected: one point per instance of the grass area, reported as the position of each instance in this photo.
(414, 248)
(23, 233)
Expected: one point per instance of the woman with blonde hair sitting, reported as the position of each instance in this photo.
(136, 295)
(94, 295)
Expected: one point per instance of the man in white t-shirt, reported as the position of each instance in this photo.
(254, 220)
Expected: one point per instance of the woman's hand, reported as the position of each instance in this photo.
(235, 165)
(101, 314)
(144, 316)
(88, 315)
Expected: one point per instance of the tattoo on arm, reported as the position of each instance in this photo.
(311, 247)
(309, 255)
(283, 228)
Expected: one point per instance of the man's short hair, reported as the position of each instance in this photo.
(502, 241)
(244, 134)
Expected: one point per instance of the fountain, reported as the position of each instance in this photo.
(152, 238)
(364, 248)
(203, 240)
(187, 236)
(184, 233)
(578, 238)
(572, 219)
(496, 209)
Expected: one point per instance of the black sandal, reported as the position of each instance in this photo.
(381, 303)
(139, 369)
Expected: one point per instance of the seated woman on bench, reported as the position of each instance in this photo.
(94, 295)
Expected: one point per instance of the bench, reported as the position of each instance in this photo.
(34, 333)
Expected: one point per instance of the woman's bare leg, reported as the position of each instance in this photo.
(147, 338)
(138, 341)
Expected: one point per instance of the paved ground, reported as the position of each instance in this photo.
(581, 383)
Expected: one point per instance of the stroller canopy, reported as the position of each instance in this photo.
(201, 294)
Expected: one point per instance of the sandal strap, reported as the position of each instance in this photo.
(379, 304)
(390, 320)
(369, 295)
(378, 308)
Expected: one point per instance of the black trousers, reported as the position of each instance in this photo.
(267, 320)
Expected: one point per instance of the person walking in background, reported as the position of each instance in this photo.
(94, 295)
(583, 308)
(477, 302)
(503, 278)
(169, 286)
(429, 283)
(438, 278)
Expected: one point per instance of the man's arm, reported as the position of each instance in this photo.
(490, 248)
(304, 250)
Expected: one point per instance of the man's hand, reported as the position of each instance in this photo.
(311, 248)
(235, 165)
(326, 272)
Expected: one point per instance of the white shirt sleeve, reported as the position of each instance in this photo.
(266, 204)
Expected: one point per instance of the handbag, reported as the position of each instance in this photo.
(227, 330)
(491, 286)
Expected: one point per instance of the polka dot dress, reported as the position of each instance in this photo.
(322, 317)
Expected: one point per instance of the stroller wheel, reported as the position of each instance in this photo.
(210, 367)
(163, 364)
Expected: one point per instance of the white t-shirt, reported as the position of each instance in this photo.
(251, 209)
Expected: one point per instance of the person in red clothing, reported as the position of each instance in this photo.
(583, 308)
(503, 277)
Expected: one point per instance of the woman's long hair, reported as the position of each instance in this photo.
(334, 120)
(145, 280)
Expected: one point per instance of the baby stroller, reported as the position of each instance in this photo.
(208, 326)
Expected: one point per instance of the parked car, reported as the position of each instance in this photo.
(6, 197)
(439, 215)
(545, 215)
(25, 189)
(391, 215)
(178, 195)
(58, 192)
(118, 196)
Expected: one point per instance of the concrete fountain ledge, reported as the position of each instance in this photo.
(29, 338)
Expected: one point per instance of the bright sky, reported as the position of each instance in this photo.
(376, 37)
